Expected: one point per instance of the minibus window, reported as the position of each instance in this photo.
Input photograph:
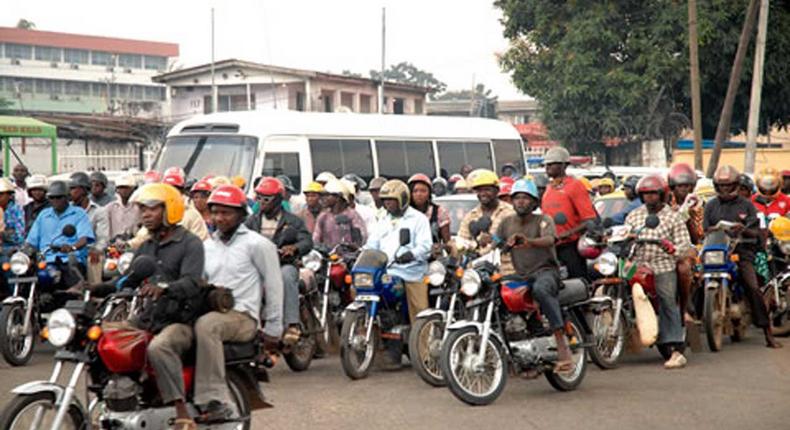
(400, 159)
(453, 155)
(209, 155)
(283, 163)
(341, 156)
(509, 151)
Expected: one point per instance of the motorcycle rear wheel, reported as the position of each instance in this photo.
(468, 385)
(20, 412)
(425, 346)
(569, 381)
(301, 354)
(608, 349)
(713, 317)
(357, 355)
(17, 348)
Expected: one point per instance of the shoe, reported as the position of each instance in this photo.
(292, 335)
(215, 411)
(676, 361)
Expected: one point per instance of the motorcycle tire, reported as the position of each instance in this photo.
(300, 355)
(781, 324)
(10, 417)
(456, 344)
(12, 318)
(569, 381)
(712, 318)
(425, 353)
(606, 353)
(237, 390)
(354, 367)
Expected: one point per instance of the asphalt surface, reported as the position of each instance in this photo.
(746, 386)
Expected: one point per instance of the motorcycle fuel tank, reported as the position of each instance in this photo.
(123, 350)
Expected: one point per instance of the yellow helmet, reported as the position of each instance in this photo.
(162, 194)
(769, 182)
(314, 187)
(219, 180)
(595, 183)
(238, 181)
(482, 178)
(606, 181)
(586, 182)
(780, 228)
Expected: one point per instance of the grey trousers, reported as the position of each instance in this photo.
(670, 324)
(164, 354)
(290, 294)
(210, 331)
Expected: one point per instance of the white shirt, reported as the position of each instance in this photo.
(368, 215)
(386, 238)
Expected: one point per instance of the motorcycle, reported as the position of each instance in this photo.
(725, 310)
(117, 258)
(379, 311)
(778, 287)
(507, 331)
(120, 384)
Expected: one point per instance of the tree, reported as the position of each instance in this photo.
(5, 105)
(484, 104)
(25, 24)
(407, 73)
(620, 69)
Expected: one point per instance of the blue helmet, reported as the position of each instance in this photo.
(525, 186)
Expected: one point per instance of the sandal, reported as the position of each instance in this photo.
(184, 424)
(564, 366)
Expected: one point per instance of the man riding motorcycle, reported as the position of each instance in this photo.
(13, 219)
(769, 198)
(313, 207)
(180, 262)
(530, 239)
(328, 231)
(629, 189)
(79, 189)
(682, 180)
(729, 206)
(485, 183)
(439, 219)
(674, 239)
(273, 223)
(37, 191)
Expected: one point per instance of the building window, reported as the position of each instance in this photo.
(101, 58)
(22, 85)
(75, 56)
(155, 62)
(119, 91)
(45, 53)
(49, 86)
(99, 89)
(326, 97)
(229, 103)
(136, 92)
(400, 159)
(364, 103)
(418, 106)
(397, 106)
(154, 93)
(342, 156)
(130, 61)
(76, 88)
(23, 52)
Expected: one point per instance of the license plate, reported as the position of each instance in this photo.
(367, 298)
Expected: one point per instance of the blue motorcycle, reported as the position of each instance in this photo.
(379, 311)
(725, 310)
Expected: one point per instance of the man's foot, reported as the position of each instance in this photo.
(771, 342)
(292, 335)
(184, 424)
(676, 361)
(213, 412)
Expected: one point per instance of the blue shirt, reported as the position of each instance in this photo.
(14, 217)
(48, 230)
(619, 218)
(386, 238)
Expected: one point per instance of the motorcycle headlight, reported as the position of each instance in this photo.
(470, 283)
(61, 327)
(714, 258)
(436, 273)
(606, 264)
(125, 261)
(312, 261)
(363, 280)
(785, 246)
(19, 263)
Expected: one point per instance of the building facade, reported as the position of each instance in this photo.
(243, 85)
(42, 71)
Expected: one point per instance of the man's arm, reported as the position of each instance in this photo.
(547, 234)
(751, 223)
(423, 240)
(102, 229)
(190, 271)
(304, 241)
(267, 262)
(358, 223)
(680, 236)
(33, 236)
(85, 231)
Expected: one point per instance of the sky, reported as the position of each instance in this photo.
(455, 40)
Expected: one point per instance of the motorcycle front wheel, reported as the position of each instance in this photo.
(425, 347)
(356, 352)
(713, 316)
(474, 384)
(301, 354)
(16, 346)
(27, 411)
(569, 381)
(608, 347)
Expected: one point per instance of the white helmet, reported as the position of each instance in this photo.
(351, 185)
(335, 186)
(6, 186)
(325, 177)
(557, 154)
(37, 181)
(126, 181)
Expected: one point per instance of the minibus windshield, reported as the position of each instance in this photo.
(209, 155)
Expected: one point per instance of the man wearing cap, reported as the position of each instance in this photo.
(485, 184)
(312, 197)
(79, 189)
(99, 189)
(20, 184)
(123, 215)
(13, 216)
(37, 191)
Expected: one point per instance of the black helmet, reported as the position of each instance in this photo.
(99, 177)
(80, 179)
(57, 189)
(286, 181)
(746, 182)
(631, 182)
(353, 177)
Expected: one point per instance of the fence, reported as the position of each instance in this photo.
(108, 159)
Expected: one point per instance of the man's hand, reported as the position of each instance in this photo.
(271, 343)
(737, 228)
(288, 250)
(94, 256)
(66, 249)
(152, 291)
(406, 257)
(668, 246)
(484, 239)
(517, 240)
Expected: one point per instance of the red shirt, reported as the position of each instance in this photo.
(780, 205)
(570, 198)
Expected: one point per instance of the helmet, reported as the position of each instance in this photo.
(525, 186)
(286, 181)
(595, 183)
(653, 184)
(461, 185)
(504, 188)
(586, 182)
(682, 174)
(335, 186)
(780, 228)
(351, 186)
(238, 181)
(726, 174)
(396, 189)
(125, 181)
(174, 176)
(36, 181)
(606, 181)
(57, 189)
(769, 183)
(228, 195)
(746, 181)
(439, 186)
(99, 177)
(506, 180)
(359, 183)
(216, 181)
(163, 194)
(419, 177)
(587, 249)
(325, 177)
(267, 186)
(557, 154)
(314, 187)
(201, 186)
(80, 179)
(376, 183)
(6, 186)
(151, 176)
(455, 178)
(631, 182)
(483, 178)
(508, 165)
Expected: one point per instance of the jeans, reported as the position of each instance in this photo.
(545, 289)
(290, 294)
(670, 323)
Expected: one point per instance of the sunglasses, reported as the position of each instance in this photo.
(55, 197)
(266, 199)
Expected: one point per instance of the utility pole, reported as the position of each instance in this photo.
(696, 99)
(472, 97)
(757, 88)
(383, 51)
(214, 92)
(723, 129)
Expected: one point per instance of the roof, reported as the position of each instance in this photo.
(81, 41)
(106, 128)
(285, 122)
(22, 126)
(233, 63)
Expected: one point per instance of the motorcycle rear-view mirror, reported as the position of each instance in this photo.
(405, 236)
(69, 230)
(560, 218)
(652, 221)
(481, 225)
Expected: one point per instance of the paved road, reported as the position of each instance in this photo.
(745, 387)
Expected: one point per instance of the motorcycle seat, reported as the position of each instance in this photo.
(240, 350)
(573, 290)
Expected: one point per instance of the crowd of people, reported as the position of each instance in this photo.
(210, 231)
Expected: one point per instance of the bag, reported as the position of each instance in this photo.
(646, 320)
(171, 309)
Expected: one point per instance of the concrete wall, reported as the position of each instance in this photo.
(776, 158)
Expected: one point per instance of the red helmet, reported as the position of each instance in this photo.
(174, 176)
(269, 186)
(420, 178)
(682, 174)
(151, 177)
(505, 187)
(652, 184)
(201, 186)
(786, 173)
(228, 195)
(588, 249)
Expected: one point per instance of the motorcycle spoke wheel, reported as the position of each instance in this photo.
(429, 346)
(17, 346)
(37, 411)
(480, 382)
(609, 346)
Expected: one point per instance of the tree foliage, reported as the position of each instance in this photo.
(484, 104)
(407, 73)
(604, 69)
(25, 24)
